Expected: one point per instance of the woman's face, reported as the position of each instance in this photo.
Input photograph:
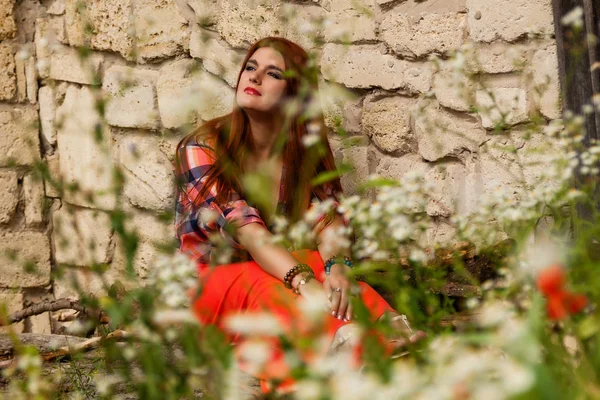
(262, 84)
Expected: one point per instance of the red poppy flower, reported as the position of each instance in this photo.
(560, 302)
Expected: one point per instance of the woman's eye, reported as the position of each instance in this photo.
(248, 67)
(274, 75)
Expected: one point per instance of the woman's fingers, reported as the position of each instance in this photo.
(349, 311)
(341, 314)
(336, 297)
(328, 288)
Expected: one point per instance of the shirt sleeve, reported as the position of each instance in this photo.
(203, 216)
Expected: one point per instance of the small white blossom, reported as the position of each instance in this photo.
(573, 18)
(255, 323)
(310, 139)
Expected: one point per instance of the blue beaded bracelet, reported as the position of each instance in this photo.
(334, 260)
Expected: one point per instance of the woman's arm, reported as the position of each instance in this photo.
(273, 258)
(329, 241)
(330, 244)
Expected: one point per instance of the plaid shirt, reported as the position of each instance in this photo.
(194, 225)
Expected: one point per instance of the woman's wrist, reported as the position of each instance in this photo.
(339, 268)
(298, 278)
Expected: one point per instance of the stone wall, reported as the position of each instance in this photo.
(166, 65)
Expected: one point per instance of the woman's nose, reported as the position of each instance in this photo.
(254, 78)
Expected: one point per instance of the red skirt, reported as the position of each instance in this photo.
(245, 287)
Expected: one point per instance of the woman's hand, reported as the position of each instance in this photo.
(341, 307)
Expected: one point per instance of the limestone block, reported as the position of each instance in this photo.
(160, 28)
(66, 64)
(11, 301)
(453, 89)
(42, 39)
(149, 177)
(367, 66)
(441, 134)
(152, 235)
(427, 33)
(186, 93)
(351, 21)
(8, 28)
(82, 236)
(358, 157)
(25, 258)
(8, 79)
(214, 97)
(33, 195)
(206, 11)
(9, 195)
(341, 107)
(111, 25)
(304, 24)
(387, 122)
(57, 8)
(31, 78)
(449, 183)
(243, 22)
(500, 57)
(130, 95)
(38, 323)
(83, 159)
(418, 7)
(397, 167)
(47, 99)
(500, 170)
(537, 154)
(514, 18)
(217, 57)
(168, 144)
(21, 79)
(545, 79)
(441, 234)
(19, 141)
(76, 281)
(57, 25)
(53, 163)
(178, 99)
(494, 103)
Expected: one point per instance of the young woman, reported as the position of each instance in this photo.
(276, 89)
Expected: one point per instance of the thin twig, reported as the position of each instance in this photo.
(88, 345)
(55, 305)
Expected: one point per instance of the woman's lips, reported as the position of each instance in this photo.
(252, 91)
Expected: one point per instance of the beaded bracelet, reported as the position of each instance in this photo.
(303, 281)
(334, 259)
(295, 270)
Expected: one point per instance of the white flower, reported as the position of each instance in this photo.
(171, 317)
(254, 323)
(105, 382)
(309, 390)
(207, 216)
(573, 18)
(313, 307)
(400, 227)
(514, 376)
(310, 139)
(254, 353)
(493, 313)
(418, 255)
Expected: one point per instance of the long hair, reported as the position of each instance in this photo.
(231, 139)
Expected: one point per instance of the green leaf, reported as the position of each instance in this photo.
(330, 175)
(589, 327)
